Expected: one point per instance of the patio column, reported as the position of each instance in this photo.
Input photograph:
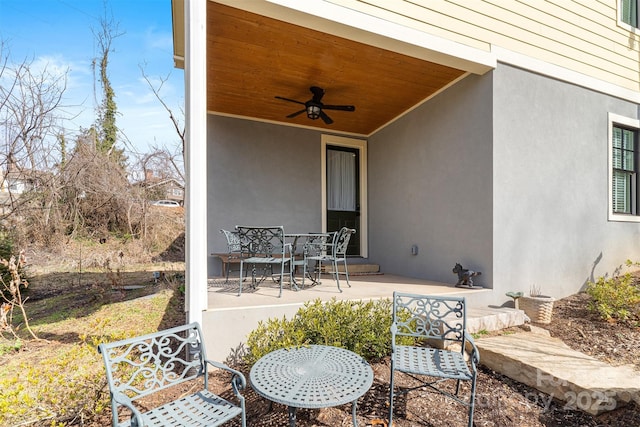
(195, 75)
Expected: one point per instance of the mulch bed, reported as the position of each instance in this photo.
(500, 400)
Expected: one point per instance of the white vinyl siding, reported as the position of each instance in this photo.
(580, 35)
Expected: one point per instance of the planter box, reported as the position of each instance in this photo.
(539, 309)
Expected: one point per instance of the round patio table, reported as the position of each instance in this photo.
(314, 376)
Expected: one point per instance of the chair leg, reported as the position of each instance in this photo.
(292, 282)
(391, 396)
(240, 281)
(304, 272)
(472, 402)
(346, 272)
(335, 271)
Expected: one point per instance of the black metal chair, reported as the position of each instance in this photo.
(334, 252)
(438, 324)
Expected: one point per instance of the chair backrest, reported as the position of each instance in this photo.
(143, 365)
(316, 245)
(429, 317)
(341, 241)
(233, 240)
(266, 241)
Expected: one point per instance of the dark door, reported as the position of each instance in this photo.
(343, 192)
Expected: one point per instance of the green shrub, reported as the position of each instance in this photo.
(359, 326)
(615, 298)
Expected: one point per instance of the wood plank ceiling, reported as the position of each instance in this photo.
(252, 58)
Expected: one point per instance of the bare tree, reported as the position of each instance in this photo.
(31, 113)
(162, 157)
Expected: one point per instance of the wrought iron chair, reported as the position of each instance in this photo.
(141, 366)
(440, 322)
(334, 252)
(265, 246)
(234, 251)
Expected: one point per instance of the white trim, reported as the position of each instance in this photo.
(361, 145)
(621, 23)
(195, 77)
(279, 123)
(624, 121)
(564, 74)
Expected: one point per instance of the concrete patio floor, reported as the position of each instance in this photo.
(370, 286)
(230, 318)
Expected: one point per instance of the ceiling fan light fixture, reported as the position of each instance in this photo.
(313, 111)
(314, 107)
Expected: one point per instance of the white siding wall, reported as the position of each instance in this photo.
(580, 35)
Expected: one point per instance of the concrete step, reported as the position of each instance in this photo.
(550, 366)
(354, 268)
(494, 318)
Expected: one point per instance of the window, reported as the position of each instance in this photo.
(629, 12)
(623, 169)
(624, 156)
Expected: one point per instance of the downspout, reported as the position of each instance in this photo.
(195, 74)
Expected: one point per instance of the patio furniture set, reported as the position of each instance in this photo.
(309, 376)
(269, 252)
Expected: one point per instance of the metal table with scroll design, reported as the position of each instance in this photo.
(301, 245)
(314, 376)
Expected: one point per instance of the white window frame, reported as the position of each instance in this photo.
(623, 24)
(617, 120)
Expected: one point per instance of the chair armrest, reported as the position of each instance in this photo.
(124, 400)
(238, 381)
(474, 354)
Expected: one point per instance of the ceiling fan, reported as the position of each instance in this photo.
(314, 107)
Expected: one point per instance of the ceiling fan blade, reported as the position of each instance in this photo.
(290, 100)
(339, 107)
(318, 93)
(296, 113)
(325, 118)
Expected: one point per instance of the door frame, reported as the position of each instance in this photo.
(361, 146)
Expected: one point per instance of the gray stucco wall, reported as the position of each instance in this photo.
(260, 174)
(551, 185)
(430, 184)
(506, 173)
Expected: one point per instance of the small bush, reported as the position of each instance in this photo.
(6, 251)
(359, 326)
(615, 298)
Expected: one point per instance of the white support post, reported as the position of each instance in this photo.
(195, 75)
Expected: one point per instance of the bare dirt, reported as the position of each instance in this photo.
(500, 400)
